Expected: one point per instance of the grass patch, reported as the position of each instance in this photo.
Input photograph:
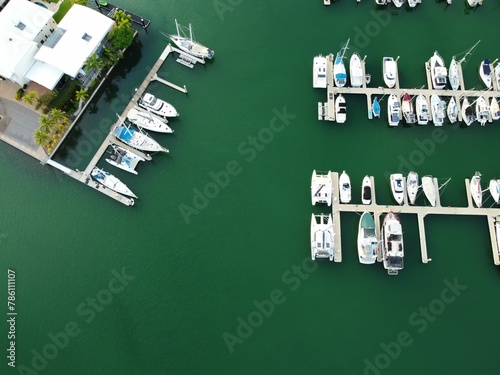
(63, 9)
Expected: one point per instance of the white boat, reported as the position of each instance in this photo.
(398, 3)
(413, 3)
(438, 110)
(412, 186)
(340, 109)
(422, 109)
(497, 75)
(322, 245)
(468, 114)
(397, 187)
(392, 244)
(429, 190)
(137, 139)
(123, 159)
(474, 3)
(454, 74)
(367, 239)
(407, 109)
(345, 188)
(452, 110)
(389, 70)
(485, 72)
(321, 188)
(326, 2)
(366, 190)
(319, 72)
(187, 43)
(495, 190)
(145, 120)
(339, 72)
(381, 2)
(439, 73)
(494, 109)
(497, 233)
(355, 71)
(393, 110)
(476, 190)
(482, 110)
(111, 182)
(157, 106)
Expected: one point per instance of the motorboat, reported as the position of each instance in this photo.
(407, 109)
(413, 3)
(439, 73)
(452, 110)
(124, 159)
(345, 188)
(111, 182)
(468, 114)
(422, 109)
(376, 107)
(429, 189)
(438, 110)
(367, 239)
(188, 44)
(381, 2)
(366, 190)
(319, 72)
(355, 71)
(476, 190)
(157, 106)
(398, 3)
(339, 72)
(392, 244)
(454, 74)
(146, 120)
(393, 110)
(397, 187)
(494, 109)
(340, 109)
(482, 110)
(495, 190)
(412, 186)
(485, 72)
(474, 3)
(389, 70)
(321, 188)
(322, 235)
(497, 75)
(137, 139)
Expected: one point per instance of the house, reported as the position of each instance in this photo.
(47, 56)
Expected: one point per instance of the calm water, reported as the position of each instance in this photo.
(189, 285)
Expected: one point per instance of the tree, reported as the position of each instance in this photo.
(122, 19)
(121, 36)
(42, 138)
(111, 56)
(79, 2)
(58, 117)
(81, 95)
(30, 98)
(46, 124)
(93, 62)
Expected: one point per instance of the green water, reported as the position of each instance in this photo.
(193, 282)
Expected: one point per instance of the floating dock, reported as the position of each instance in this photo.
(104, 7)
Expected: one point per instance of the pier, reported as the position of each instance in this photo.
(421, 211)
(111, 9)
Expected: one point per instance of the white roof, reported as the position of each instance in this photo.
(44, 74)
(76, 38)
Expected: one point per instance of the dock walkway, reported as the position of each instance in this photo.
(111, 9)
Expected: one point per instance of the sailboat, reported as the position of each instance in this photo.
(468, 115)
(340, 109)
(495, 190)
(494, 109)
(429, 190)
(339, 72)
(482, 110)
(422, 110)
(321, 188)
(367, 239)
(322, 235)
(366, 190)
(376, 107)
(475, 189)
(136, 139)
(497, 75)
(111, 182)
(146, 120)
(485, 72)
(188, 44)
(452, 110)
(453, 74)
(355, 71)
(407, 109)
(412, 186)
(393, 110)
(439, 73)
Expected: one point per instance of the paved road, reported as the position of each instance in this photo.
(18, 122)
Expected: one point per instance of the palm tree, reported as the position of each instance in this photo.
(81, 95)
(46, 124)
(42, 138)
(93, 62)
(30, 98)
(122, 19)
(58, 116)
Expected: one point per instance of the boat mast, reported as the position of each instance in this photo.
(190, 33)
(469, 51)
(177, 28)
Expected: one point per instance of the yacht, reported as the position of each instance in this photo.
(438, 110)
(366, 191)
(319, 72)
(429, 190)
(397, 187)
(145, 120)
(389, 70)
(111, 182)
(187, 43)
(422, 109)
(345, 188)
(355, 71)
(454, 74)
(339, 72)
(321, 188)
(495, 190)
(412, 186)
(482, 110)
(393, 110)
(123, 158)
(376, 107)
(494, 109)
(322, 235)
(340, 109)
(452, 110)
(475, 189)
(439, 73)
(407, 109)
(468, 114)
(157, 106)
(485, 73)
(137, 139)
(367, 239)
(392, 244)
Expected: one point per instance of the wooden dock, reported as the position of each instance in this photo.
(109, 10)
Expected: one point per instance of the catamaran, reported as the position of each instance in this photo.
(468, 115)
(188, 44)
(407, 109)
(111, 182)
(392, 244)
(366, 190)
(137, 139)
(322, 245)
(439, 73)
(485, 72)
(476, 190)
(422, 110)
(146, 120)
(157, 106)
(454, 74)
(340, 109)
(319, 72)
(495, 190)
(494, 109)
(389, 70)
(393, 110)
(452, 110)
(397, 187)
(438, 110)
(345, 188)
(412, 186)
(355, 71)
(367, 239)
(376, 107)
(482, 110)
(123, 158)
(321, 188)
(339, 72)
